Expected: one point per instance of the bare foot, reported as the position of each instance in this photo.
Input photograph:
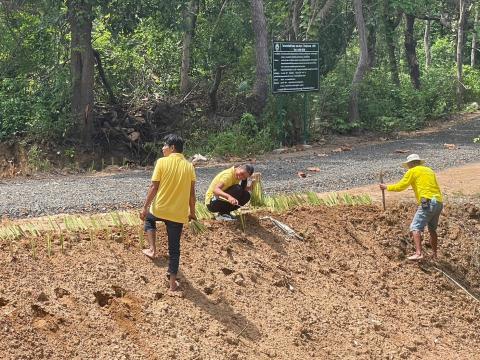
(149, 253)
(415, 257)
(175, 293)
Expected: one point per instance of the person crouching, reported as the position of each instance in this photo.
(228, 191)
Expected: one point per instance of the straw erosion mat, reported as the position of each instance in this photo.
(344, 292)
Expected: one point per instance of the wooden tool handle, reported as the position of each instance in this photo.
(383, 191)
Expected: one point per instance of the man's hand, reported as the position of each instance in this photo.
(383, 186)
(192, 216)
(143, 214)
(232, 200)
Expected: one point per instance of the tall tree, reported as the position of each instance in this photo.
(318, 15)
(362, 66)
(411, 50)
(259, 23)
(427, 44)
(190, 18)
(473, 56)
(390, 23)
(463, 13)
(80, 17)
(295, 10)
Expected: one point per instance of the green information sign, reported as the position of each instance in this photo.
(295, 67)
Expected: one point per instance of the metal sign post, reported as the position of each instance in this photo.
(295, 68)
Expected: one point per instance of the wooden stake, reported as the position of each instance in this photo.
(383, 191)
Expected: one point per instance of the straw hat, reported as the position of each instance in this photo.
(412, 157)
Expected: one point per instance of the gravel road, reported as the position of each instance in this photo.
(22, 198)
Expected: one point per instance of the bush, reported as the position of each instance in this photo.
(36, 108)
(241, 139)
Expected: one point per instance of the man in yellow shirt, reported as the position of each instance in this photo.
(171, 199)
(228, 191)
(429, 198)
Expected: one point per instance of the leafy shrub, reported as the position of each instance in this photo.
(36, 108)
(241, 139)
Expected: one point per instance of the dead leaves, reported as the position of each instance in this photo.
(450, 146)
(342, 148)
(313, 169)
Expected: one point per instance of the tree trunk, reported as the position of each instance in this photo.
(190, 19)
(362, 66)
(473, 56)
(318, 16)
(212, 93)
(82, 67)
(390, 42)
(260, 90)
(101, 72)
(372, 45)
(426, 45)
(410, 51)
(296, 8)
(463, 6)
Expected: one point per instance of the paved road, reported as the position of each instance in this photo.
(38, 197)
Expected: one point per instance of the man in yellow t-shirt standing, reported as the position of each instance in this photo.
(171, 199)
(429, 198)
(228, 191)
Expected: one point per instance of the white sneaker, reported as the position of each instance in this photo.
(225, 217)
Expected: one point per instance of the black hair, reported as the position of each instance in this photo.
(248, 168)
(175, 140)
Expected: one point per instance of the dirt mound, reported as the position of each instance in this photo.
(346, 291)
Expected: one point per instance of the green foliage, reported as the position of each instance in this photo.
(140, 63)
(140, 44)
(471, 80)
(241, 139)
(384, 106)
(37, 159)
(443, 52)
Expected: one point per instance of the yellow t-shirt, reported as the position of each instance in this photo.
(227, 177)
(175, 175)
(423, 182)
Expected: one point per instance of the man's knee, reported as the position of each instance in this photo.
(245, 198)
(235, 191)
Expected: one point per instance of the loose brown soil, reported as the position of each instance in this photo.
(346, 292)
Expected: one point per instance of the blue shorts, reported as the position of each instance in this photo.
(424, 217)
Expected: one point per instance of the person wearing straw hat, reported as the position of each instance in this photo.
(424, 183)
(228, 191)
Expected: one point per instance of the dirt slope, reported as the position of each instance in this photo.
(346, 292)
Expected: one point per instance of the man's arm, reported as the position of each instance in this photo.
(402, 184)
(217, 190)
(152, 191)
(192, 201)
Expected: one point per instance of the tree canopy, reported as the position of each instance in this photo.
(122, 73)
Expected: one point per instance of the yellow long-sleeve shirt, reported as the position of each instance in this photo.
(423, 181)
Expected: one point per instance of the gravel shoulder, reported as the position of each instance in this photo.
(23, 198)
